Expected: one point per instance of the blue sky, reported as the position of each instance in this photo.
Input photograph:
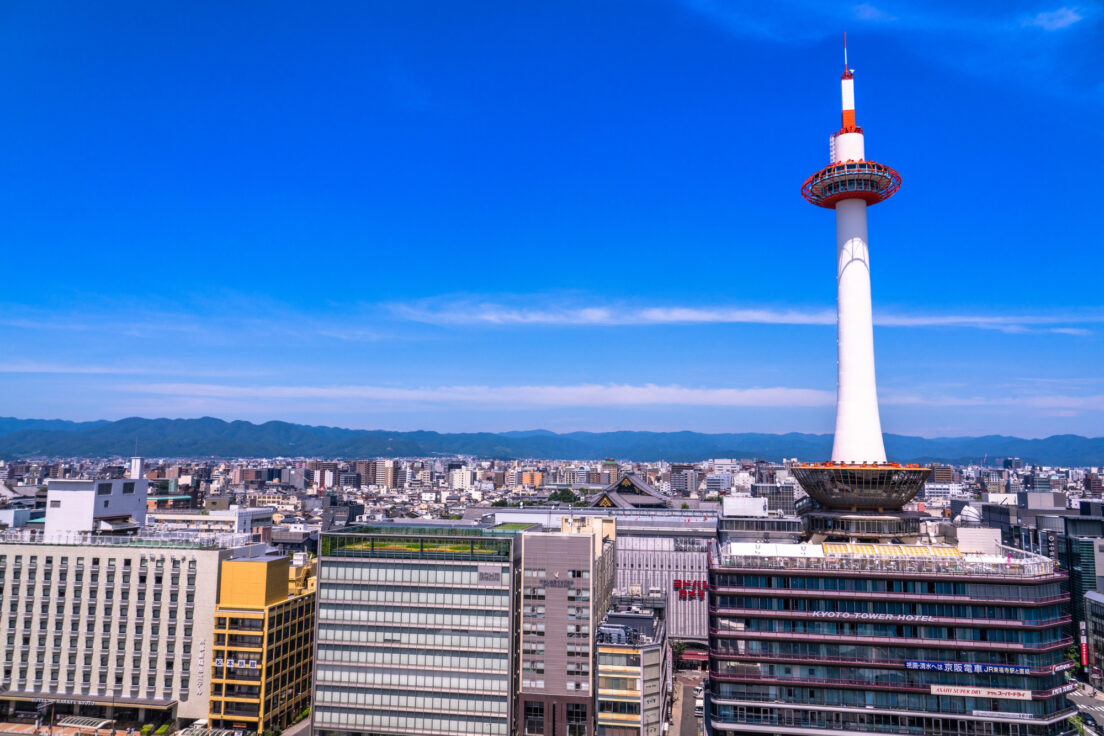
(489, 216)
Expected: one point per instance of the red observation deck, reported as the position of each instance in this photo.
(864, 180)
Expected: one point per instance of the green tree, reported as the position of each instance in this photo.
(564, 495)
(685, 505)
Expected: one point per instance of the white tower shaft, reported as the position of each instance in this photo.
(858, 435)
(858, 426)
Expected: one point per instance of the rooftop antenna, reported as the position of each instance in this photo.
(845, 51)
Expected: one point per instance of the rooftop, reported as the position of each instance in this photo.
(176, 540)
(884, 558)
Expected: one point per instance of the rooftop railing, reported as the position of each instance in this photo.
(1010, 563)
(178, 540)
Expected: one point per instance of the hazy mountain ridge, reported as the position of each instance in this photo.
(210, 437)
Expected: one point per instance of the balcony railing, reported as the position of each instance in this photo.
(776, 720)
(770, 613)
(726, 656)
(886, 595)
(891, 640)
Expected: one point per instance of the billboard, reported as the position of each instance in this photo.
(963, 691)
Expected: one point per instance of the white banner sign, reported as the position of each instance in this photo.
(981, 692)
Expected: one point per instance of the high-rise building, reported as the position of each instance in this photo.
(263, 644)
(417, 630)
(567, 579)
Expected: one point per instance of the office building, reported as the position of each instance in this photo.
(417, 630)
(567, 578)
(634, 685)
(779, 497)
(263, 645)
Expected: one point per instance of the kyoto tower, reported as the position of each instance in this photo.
(858, 476)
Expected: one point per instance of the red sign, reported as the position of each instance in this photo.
(1084, 654)
(689, 589)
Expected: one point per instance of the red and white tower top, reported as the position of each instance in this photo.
(849, 175)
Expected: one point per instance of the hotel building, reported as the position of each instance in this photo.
(112, 626)
(895, 636)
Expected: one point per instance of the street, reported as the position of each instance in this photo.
(1093, 705)
(683, 719)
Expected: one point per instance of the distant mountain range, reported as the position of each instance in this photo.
(209, 437)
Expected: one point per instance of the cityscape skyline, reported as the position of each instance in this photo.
(267, 274)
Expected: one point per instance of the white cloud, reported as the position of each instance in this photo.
(77, 367)
(595, 394)
(1055, 19)
(866, 11)
(487, 313)
(589, 394)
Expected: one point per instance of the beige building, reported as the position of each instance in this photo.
(116, 627)
(567, 578)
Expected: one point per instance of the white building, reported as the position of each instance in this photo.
(104, 506)
(944, 491)
(234, 520)
(111, 626)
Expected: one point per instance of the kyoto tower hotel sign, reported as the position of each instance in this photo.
(849, 185)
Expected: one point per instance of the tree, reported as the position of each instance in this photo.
(564, 495)
(501, 503)
(676, 651)
(685, 505)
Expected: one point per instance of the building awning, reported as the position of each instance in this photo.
(890, 550)
(82, 699)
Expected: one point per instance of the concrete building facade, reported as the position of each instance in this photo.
(567, 580)
(416, 630)
(118, 627)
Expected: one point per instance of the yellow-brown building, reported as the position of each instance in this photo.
(263, 639)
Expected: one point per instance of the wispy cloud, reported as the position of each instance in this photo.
(466, 312)
(1006, 40)
(587, 394)
(593, 394)
(78, 367)
(1055, 20)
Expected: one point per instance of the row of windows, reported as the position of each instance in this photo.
(21, 679)
(396, 572)
(419, 702)
(398, 722)
(32, 562)
(393, 635)
(878, 699)
(426, 680)
(882, 723)
(1009, 613)
(970, 591)
(846, 628)
(822, 651)
(418, 596)
(412, 657)
(873, 676)
(444, 618)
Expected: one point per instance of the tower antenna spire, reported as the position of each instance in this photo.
(845, 69)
